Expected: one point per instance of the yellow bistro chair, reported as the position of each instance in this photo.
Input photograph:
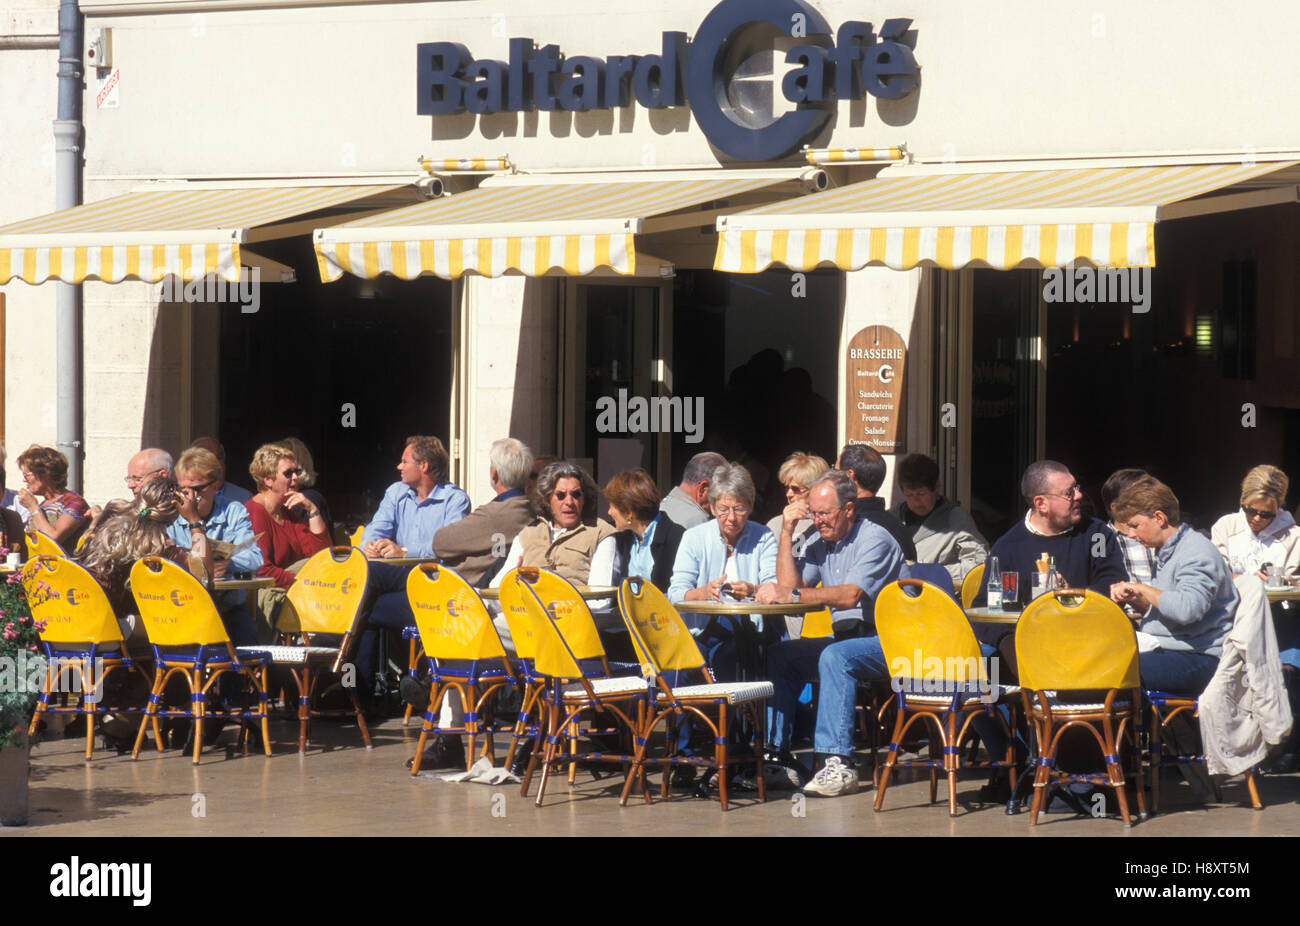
(571, 658)
(664, 644)
(189, 640)
(530, 721)
(1079, 642)
(970, 586)
(81, 637)
(357, 535)
(39, 544)
(458, 635)
(939, 677)
(324, 600)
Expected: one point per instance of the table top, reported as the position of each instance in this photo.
(231, 585)
(402, 560)
(588, 592)
(1283, 593)
(992, 616)
(746, 607)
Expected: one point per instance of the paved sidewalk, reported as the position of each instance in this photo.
(341, 788)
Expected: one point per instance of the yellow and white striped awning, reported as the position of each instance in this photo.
(182, 230)
(529, 225)
(1048, 218)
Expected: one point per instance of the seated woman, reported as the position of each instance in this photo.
(61, 514)
(942, 532)
(1190, 603)
(647, 540)
(289, 527)
(797, 474)
(730, 551)
(1262, 531)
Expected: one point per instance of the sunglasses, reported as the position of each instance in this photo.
(561, 495)
(1264, 515)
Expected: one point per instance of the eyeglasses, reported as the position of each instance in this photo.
(132, 481)
(561, 495)
(819, 516)
(740, 511)
(1070, 493)
(199, 489)
(797, 489)
(1256, 513)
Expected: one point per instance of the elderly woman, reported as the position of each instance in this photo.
(291, 528)
(797, 474)
(728, 552)
(1188, 607)
(1262, 531)
(647, 539)
(61, 514)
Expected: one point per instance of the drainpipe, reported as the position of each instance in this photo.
(68, 137)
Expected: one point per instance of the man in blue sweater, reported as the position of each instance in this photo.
(1087, 555)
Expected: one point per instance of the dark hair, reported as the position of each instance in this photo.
(917, 471)
(634, 492)
(701, 466)
(50, 466)
(865, 464)
(1115, 485)
(551, 476)
(1034, 481)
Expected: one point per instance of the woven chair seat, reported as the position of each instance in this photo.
(623, 685)
(942, 699)
(734, 692)
(1060, 704)
(291, 655)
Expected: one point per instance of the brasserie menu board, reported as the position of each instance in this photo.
(875, 371)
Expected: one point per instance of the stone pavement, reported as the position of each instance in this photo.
(341, 788)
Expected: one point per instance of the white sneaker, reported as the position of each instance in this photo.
(834, 779)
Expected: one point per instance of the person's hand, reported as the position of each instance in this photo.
(1121, 592)
(795, 512)
(770, 593)
(189, 505)
(371, 548)
(298, 500)
(386, 549)
(27, 499)
(219, 568)
(742, 590)
(1263, 574)
(713, 591)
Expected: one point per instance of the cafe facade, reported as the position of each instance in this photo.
(754, 226)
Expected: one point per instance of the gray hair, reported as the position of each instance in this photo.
(701, 467)
(512, 460)
(158, 459)
(551, 476)
(731, 479)
(1034, 482)
(846, 489)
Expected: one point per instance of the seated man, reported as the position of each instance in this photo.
(942, 532)
(853, 559)
(867, 468)
(413, 510)
(228, 489)
(143, 466)
(224, 520)
(685, 503)
(475, 545)
(1188, 607)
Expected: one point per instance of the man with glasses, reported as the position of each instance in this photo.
(1087, 554)
(149, 462)
(224, 520)
(852, 560)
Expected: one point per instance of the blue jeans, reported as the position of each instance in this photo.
(389, 608)
(841, 667)
(1176, 673)
(790, 665)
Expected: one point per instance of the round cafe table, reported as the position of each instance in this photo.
(993, 616)
(232, 585)
(1282, 593)
(750, 655)
(402, 560)
(588, 592)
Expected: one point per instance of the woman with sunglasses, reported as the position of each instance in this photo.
(1263, 531)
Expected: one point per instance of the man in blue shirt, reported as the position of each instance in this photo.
(852, 560)
(225, 520)
(417, 505)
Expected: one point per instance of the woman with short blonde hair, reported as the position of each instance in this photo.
(1262, 532)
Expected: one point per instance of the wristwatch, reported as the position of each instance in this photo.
(196, 526)
(794, 595)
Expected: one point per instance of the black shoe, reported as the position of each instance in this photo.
(447, 752)
(683, 777)
(997, 791)
(520, 764)
(415, 693)
(1284, 764)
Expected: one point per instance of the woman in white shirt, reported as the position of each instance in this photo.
(1262, 532)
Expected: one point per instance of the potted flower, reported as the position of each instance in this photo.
(22, 671)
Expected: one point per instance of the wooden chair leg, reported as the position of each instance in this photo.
(150, 715)
(720, 754)
(1253, 791)
(889, 762)
(198, 707)
(950, 759)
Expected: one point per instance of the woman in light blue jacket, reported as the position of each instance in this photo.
(721, 560)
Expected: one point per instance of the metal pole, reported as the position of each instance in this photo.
(68, 136)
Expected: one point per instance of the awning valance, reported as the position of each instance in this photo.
(904, 217)
(186, 230)
(529, 225)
